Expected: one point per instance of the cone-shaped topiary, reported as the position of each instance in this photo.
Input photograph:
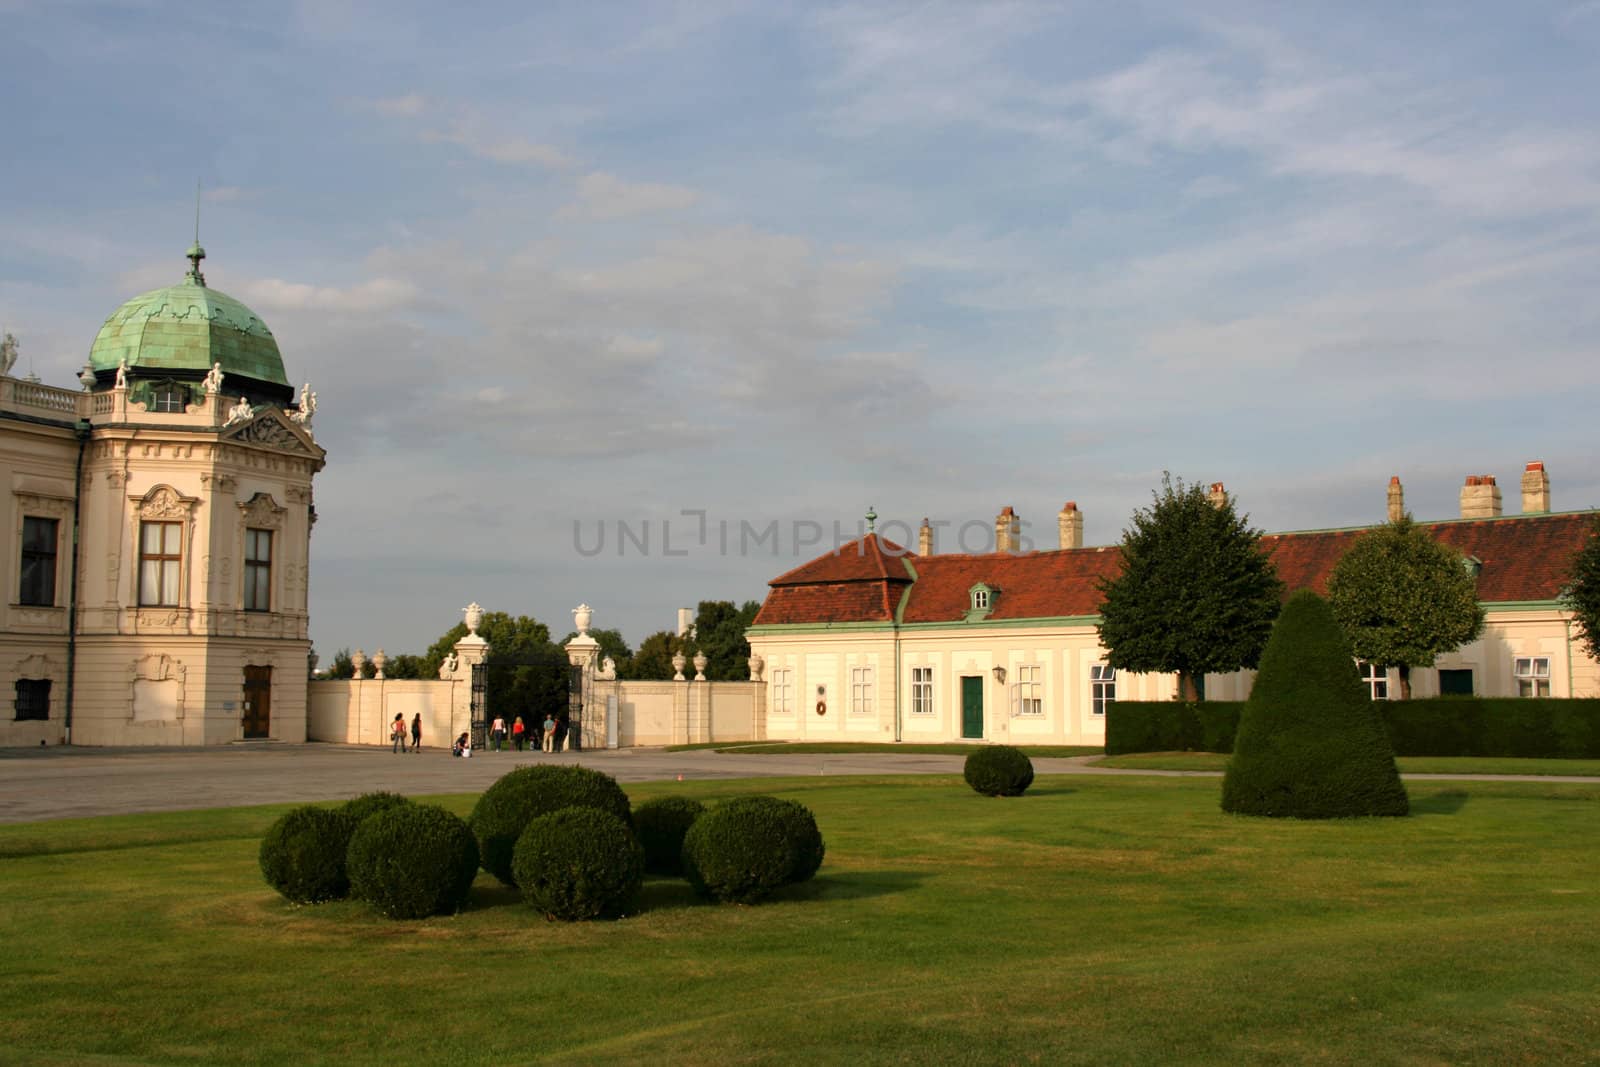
(577, 864)
(302, 854)
(413, 860)
(516, 799)
(999, 771)
(1310, 742)
(660, 825)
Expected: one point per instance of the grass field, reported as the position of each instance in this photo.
(1094, 920)
(792, 748)
(1216, 761)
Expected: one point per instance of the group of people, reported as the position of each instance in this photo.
(397, 732)
(519, 734)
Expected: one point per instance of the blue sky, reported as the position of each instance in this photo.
(598, 264)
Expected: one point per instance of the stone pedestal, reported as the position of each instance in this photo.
(469, 652)
(583, 652)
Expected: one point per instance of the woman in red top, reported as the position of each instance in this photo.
(517, 732)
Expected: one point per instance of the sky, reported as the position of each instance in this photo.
(644, 304)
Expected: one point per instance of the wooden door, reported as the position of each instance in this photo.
(971, 707)
(257, 702)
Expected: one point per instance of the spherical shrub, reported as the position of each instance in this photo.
(577, 864)
(742, 850)
(999, 771)
(516, 799)
(413, 860)
(660, 825)
(303, 854)
(368, 804)
(799, 827)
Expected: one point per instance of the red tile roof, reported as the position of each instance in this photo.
(1524, 558)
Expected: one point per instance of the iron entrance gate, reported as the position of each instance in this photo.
(530, 686)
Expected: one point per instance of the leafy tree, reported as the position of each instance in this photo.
(653, 661)
(344, 668)
(1196, 593)
(611, 644)
(1403, 598)
(405, 665)
(719, 629)
(515, 688)
(1310, 743)
(1582, 594)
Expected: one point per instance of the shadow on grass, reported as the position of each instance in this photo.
(1446, 803)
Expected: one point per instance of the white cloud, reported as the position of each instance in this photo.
(498, 147)
(410, 106)
(368, 297)
(605, 196)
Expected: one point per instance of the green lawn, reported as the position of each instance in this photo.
(1095, 920)
(794, 748)
(1216, 761)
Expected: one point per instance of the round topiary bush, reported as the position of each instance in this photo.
(1310, 743)
(368, 804)
(516, 799)
(413, 860)
(743, 850)
(999, 771)
(303, 854)
(577, 864)
(660, 825)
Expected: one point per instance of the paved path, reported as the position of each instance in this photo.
(57, 783)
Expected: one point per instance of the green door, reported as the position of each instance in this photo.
(971, 707)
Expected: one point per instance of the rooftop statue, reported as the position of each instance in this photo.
(308, 406)
(8, 354)
(240, 412)
(214, 378)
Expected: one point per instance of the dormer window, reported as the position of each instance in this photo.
(980, 601)
(169, 400)
(1473, 564)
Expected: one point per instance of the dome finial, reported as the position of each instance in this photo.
(196, 253)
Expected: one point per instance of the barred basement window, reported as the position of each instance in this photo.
(1027, 696)
(1533, 676)
(1102, 688)
(922, 690)
(33, 699)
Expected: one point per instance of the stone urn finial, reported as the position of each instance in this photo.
(311, 663)
(582, 615)
(757, 664)
(700, 662)
(358, 660)
(678, 660)
(379, 661)
(474, 616)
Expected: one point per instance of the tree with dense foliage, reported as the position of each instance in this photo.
(1196, 593)
(406, 665)
(653, 661)
(516, 685)
(1403, 598)
(611, 644)
(719, 628)
(1582, 594)
(1310, 742)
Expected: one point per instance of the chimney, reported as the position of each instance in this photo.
(1535, 489)
(1071, 522)
(1007, 530)
(1397, 499)
(685, 620)
(1219, 495)
(1480, 497)
(925, 539)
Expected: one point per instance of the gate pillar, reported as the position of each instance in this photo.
(463, 668)
(587, 719)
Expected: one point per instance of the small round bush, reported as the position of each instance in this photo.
(660, 825)
(516, 799)
(799, 827)
(999, 771)
(413, 860)
(577, 864)
(303, 854)
(743, 850)
(368, 804)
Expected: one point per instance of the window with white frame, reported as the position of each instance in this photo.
(1102, 688)
(861, 691)
(922, 690)
(980, 599)
(1026, 693)
(160, 563)
(1377, 680)
(170, 398)
(1533, 675)
(782, 686)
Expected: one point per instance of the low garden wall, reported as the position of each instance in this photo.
(1553, 728)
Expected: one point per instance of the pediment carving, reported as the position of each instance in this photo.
(262, 511)
(164, 502)
(269, 429)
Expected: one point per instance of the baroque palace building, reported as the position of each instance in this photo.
(874, 642)
(159, 524)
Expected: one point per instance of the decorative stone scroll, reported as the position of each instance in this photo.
(164, 503)
(262, 512)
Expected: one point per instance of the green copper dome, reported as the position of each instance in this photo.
(181, 330)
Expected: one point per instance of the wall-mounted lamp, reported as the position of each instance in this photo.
(1000, 675)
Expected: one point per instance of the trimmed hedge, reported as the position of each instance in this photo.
(369, 804)
(1535, 728)
(413, 860)
(303, 854)
(660, 825)
(741, 851)
(1310, 743)
(999, 771)
(579, 863)
(516, 799)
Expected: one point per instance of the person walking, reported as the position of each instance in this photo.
(416, 732)
(519, 733)
(397, 731)
(549, 733)
(497, 733)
